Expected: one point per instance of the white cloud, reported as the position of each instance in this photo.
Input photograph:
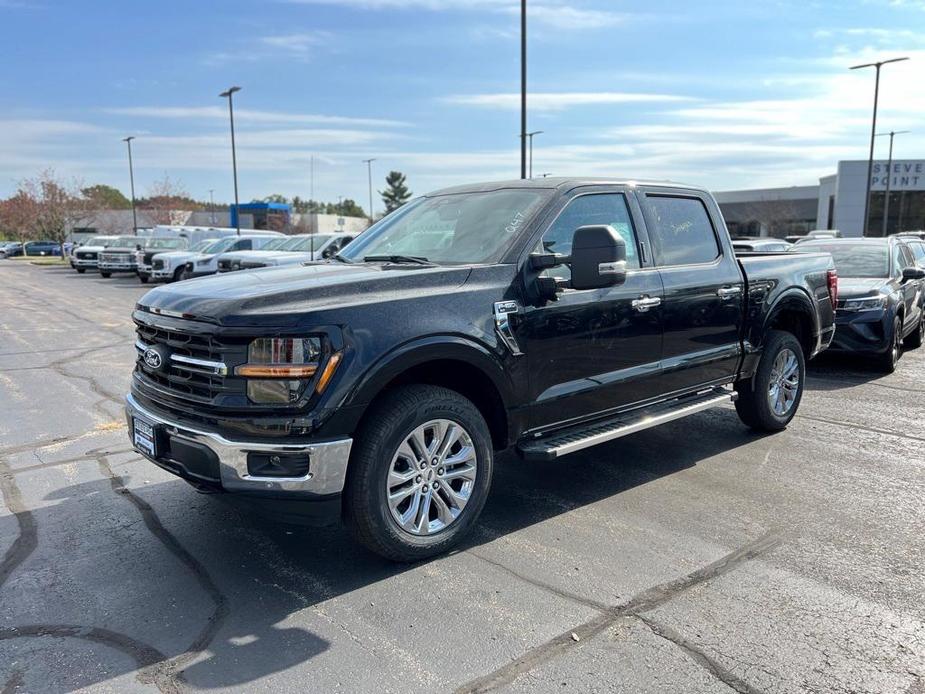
(298, 44)
(251, 115)
(554, 13)
(557, 101)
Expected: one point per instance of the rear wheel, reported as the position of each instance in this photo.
(915, 340)
(888, 361)
(419, 473)
(769, 400)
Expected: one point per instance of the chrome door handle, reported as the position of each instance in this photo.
(644, 303)
(728, 292)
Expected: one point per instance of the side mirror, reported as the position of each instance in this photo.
(913, 273)
(598, 257)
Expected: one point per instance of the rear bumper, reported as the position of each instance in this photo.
(209, 459)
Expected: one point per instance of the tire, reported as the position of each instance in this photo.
(762, 408)
(915, 339)
(143, 279)
(180, 274)
(888, 361)
(105, 275)
(80, 270)
(382, 456)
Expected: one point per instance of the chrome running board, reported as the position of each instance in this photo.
(558, 444)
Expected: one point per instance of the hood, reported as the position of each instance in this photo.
(279, 296)
(853, 287)
(175, 255)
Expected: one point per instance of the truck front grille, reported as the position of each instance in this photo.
(86, 255)
(158, 264)
(196, 367)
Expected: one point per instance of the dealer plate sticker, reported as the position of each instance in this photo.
(144, 437)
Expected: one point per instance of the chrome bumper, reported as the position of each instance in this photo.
(117, 266)
(327, 459)
(165, 274)
(84, 262)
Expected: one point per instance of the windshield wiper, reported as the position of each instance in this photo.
(338, 257)
(416, 259)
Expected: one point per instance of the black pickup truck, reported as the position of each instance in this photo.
(545, 316)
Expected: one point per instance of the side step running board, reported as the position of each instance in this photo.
(575, 439)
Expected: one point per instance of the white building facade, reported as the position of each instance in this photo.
(836, 203)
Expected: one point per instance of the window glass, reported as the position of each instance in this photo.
(600, 208)
(682, 233)
(852, 259)
(908, 260)
(918, 250)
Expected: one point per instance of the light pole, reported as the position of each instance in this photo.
(212, 206)
(873, 132)
(234, 160)
(889, 177)
(530, 137)
(369, 168)
(131, 178)
(523, 88)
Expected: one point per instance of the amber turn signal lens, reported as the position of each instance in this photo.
(276, 371)
(328, 372)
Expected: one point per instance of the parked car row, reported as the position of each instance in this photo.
(12, 249)
(170, 254)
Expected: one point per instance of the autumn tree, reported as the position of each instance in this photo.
(396, 193)
(165, 197)
(58, 206)
(17, 217)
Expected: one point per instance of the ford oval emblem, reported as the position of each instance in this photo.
(153, 358)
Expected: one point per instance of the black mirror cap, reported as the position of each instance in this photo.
(913, 273)
(598, 257)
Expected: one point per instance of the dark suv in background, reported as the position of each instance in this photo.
(880, 296)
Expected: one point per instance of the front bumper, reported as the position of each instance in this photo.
(117, 267)
(81, 262)
(209, 460)
(863, 331)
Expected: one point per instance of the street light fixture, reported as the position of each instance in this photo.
(131, 178)
(530, 136)
(889, 176)
(234, 160)
(212, 206)
(369, 168)
(873, 131)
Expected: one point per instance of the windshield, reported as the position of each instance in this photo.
(202, 245)
(275, 244)
(127, 241)
(455, 229)
(219, 246)
(310, 243)
(854, 259)
(166, 243)
(98, 241)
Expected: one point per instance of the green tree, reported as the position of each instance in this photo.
(349, 208)
(275, 197)
(105, 197)
(396, 193)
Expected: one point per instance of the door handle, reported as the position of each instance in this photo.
(644, 303)
(728, 292)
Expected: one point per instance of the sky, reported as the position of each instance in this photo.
(728, 95)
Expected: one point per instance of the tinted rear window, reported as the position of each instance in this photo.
(681, 231)
(853, 259)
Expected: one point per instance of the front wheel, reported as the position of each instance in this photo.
(769, 400)
(419, 473)
(143, 279)
(105, 275)
(80, 270)
(888, 361)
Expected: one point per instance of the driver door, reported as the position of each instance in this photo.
(600, 349)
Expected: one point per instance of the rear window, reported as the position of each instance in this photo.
(680, 230)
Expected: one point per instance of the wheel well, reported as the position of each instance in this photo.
(467, 380)
(797, 322)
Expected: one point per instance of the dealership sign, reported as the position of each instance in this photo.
(903, 175)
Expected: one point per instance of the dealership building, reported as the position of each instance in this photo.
(837, 202)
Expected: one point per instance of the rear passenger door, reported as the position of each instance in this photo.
(703, 303)
(911, 289)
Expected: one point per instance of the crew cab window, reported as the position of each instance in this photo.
(599, 208)
(242, 245)
(681, 232)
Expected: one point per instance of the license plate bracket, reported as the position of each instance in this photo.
(144, 436)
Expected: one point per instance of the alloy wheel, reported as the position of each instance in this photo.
(784, 384)
(431, 477)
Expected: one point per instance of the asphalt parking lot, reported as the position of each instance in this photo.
(694, 557)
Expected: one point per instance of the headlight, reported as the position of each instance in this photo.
(872, 304)
(280, 367)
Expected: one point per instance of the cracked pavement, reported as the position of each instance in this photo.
(696, 557)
